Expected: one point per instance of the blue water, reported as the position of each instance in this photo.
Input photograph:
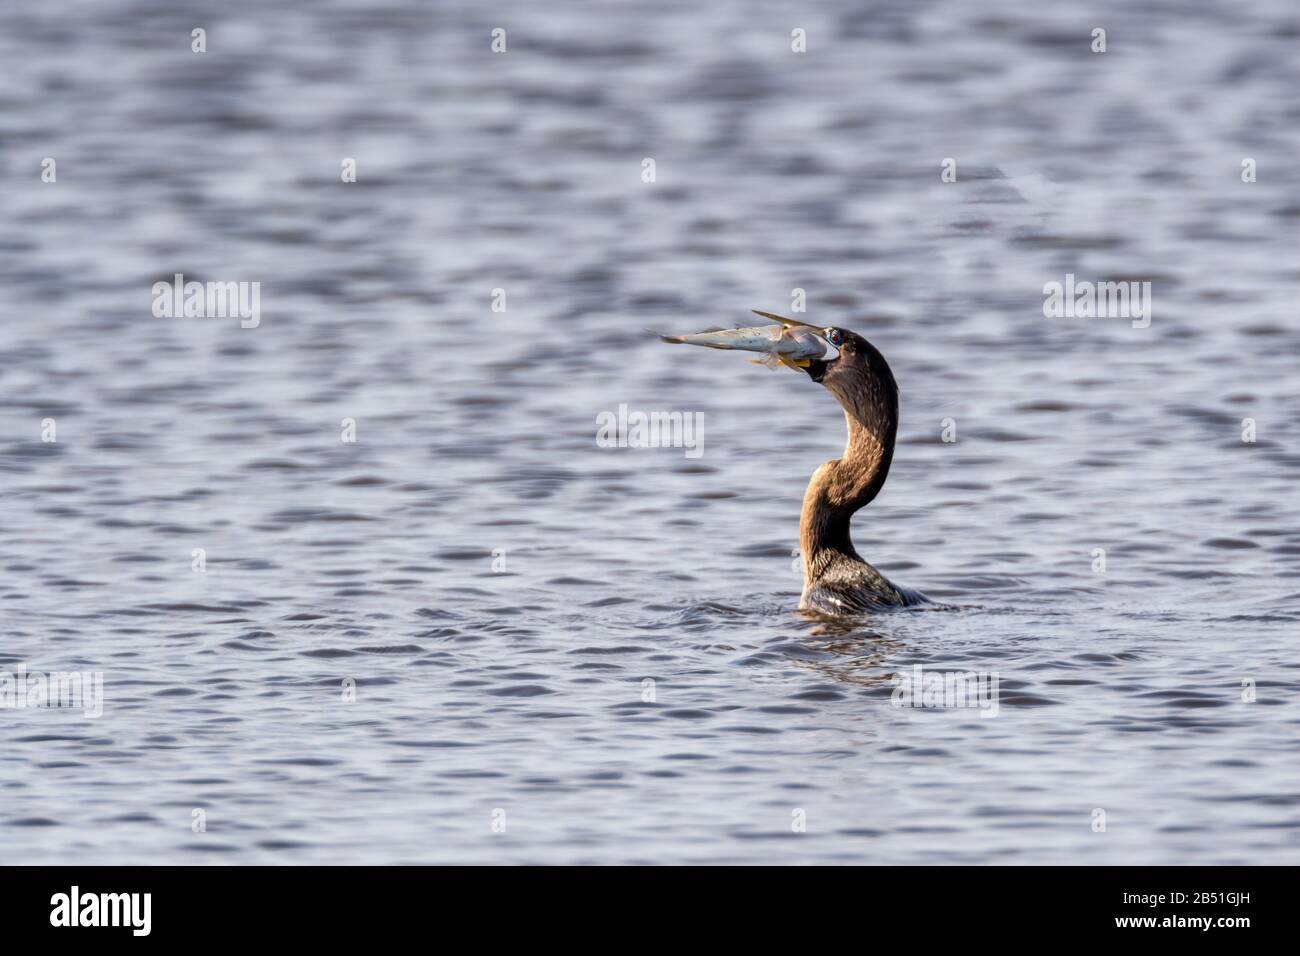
(501, 715)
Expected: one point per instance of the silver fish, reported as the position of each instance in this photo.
(791, 343)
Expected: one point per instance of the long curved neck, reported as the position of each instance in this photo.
(843, 485)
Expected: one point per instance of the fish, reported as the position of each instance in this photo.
(790, 343)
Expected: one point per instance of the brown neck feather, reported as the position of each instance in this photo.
(841, 486)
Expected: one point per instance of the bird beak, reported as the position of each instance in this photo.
(791, 323)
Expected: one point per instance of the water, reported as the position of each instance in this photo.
(522, 691)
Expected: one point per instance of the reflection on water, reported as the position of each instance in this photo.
(602, 641)
(850, 652)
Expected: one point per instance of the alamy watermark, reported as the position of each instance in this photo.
(636, 429)
(61, 690)
(211, 300)
(947, 690)
(1098, 300)
(76, 908)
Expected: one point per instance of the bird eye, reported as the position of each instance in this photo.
(833, 336)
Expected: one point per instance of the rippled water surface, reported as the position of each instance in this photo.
(524, 691)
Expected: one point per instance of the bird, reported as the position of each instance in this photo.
(836, 579)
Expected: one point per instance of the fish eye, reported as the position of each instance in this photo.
(834, 337)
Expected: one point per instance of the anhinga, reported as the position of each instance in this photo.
(836, 580)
